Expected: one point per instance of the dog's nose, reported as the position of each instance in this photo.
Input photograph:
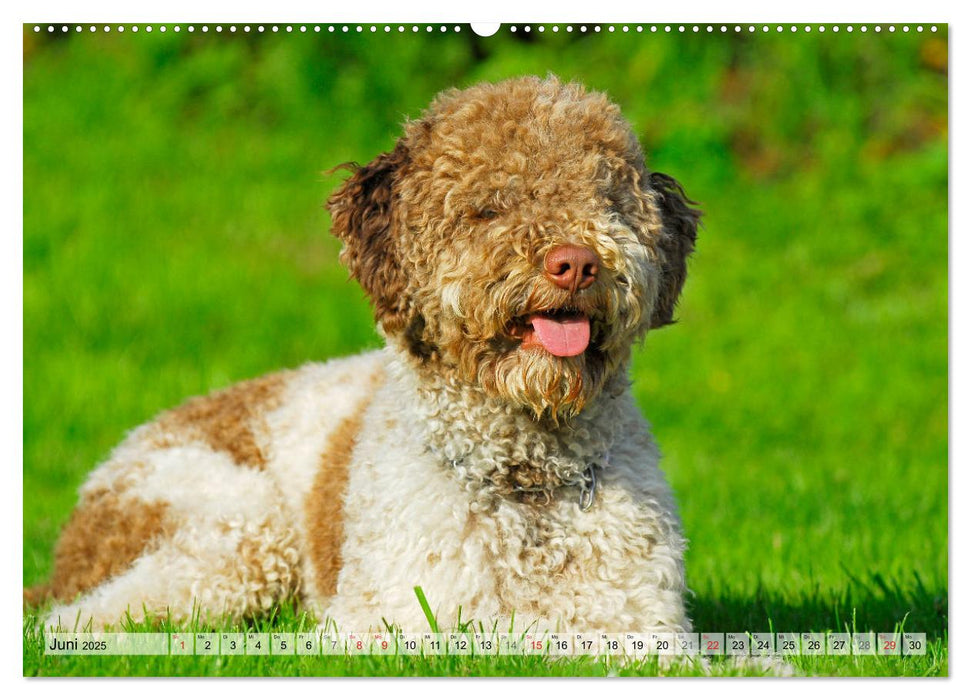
(571, 266)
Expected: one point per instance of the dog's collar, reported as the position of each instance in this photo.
(588, 491)
(587, 482)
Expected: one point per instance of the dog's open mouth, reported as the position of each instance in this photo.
(561, 332)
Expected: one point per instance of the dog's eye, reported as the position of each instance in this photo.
(486, 214)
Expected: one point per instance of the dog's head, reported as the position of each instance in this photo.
(514, 238)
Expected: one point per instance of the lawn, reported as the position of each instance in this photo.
(175, 242)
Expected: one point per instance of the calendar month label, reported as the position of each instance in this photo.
(106, 644)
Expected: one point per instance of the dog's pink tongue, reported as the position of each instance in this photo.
(563, 338)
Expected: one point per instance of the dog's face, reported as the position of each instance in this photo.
(514, 239)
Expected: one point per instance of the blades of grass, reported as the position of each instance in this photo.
(425, 608)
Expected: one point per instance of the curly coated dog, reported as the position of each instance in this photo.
(515, 247)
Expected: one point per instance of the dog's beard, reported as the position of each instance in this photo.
(549, 386)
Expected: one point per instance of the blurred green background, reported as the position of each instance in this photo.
(175, 242)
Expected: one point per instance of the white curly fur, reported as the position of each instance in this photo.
(415, 518)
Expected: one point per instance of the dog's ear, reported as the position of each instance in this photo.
(677, 241)
(362, 217)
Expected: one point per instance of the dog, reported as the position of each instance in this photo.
(515, 248)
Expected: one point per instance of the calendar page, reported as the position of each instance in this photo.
(664, 386)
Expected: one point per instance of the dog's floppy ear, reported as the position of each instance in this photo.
(676, 243)
(361, 212)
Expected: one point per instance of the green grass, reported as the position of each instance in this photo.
(174, 242)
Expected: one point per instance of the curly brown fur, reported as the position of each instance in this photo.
(494, 177)
(326, 499)
(680, 231)
(361, 212)
(228, 421)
